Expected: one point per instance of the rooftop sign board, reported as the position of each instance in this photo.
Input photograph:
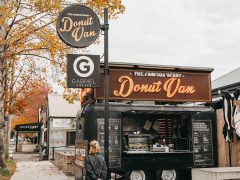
(78, 26)
(175, 86)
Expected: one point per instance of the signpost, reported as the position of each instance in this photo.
(106, 90)
(78, 26)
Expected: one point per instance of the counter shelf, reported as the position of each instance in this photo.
(158, 152)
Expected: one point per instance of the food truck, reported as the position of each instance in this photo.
(160, 122)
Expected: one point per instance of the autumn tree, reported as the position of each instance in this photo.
(28, 39)
(28, 105)
(30, 102)
(31, 51)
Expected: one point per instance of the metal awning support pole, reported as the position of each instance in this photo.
(16, 149)
(230, 154)
(106, 91)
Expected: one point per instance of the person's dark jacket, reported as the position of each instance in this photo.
(95, 167)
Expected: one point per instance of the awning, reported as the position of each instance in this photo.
(32, 127)
(166, 109)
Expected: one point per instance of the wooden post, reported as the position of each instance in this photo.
(222, 144)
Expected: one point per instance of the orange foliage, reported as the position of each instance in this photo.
(32, 47)
(30, 102)
(20, 120)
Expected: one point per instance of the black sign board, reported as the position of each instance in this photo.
(78, 26)
(83, 70)
(114, 141)
(33, 127)
(202, 143)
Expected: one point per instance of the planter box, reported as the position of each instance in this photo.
(65, 161)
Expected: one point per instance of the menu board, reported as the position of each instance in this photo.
(81, 150)
(202, 143)
(114, 140)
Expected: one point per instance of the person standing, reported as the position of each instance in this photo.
(96, 168)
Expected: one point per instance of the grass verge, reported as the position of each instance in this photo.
(5, 174)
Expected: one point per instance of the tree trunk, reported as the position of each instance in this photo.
(2, 121)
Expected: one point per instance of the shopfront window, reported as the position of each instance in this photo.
(71, 137)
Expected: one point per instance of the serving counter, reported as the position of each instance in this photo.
(157, 160)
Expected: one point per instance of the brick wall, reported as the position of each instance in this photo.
(65, 162)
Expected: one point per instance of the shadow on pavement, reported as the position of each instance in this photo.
(26, 156)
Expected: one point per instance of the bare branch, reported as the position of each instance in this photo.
(35, 30)
(16, 77)
(26, 27)
(43, 57)
(26, 50)
(27, 17)
(13, 21)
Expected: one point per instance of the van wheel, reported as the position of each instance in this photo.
(136, 175)
(166, 174)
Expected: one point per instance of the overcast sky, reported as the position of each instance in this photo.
(204, 33)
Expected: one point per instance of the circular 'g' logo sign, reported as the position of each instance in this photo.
(83, 66)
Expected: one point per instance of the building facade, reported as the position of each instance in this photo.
(59, 124)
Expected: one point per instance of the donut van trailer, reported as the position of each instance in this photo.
(160, 122)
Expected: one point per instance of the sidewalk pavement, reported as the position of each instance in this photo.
(30, 168)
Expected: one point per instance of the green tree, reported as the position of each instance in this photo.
(30, 50)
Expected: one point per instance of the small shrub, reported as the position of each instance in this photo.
(4, 172)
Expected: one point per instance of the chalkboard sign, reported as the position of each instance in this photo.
(202, 143)
(114, 141)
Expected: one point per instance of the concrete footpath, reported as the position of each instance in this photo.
(29, 167)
